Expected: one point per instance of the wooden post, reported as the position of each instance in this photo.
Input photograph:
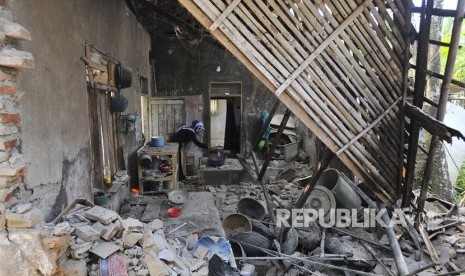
(287, 114)
(445, 88)
(265, 124)
(269, 204)
(327, 157)
(419, 91)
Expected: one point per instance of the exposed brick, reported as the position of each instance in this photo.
(14, 30)
(16, 59)
(6, 129)
(8, 74)
(6, 145)
(7, 90)
(8, 181)
(10, 118)
(10, 171)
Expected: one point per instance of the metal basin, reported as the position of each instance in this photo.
(236, 223)
(251, 242)
(251, 208)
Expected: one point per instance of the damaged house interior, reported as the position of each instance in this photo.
(232, 137)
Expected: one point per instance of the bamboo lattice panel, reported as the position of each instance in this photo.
(338, 65)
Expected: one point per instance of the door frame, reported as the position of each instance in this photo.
(222, 97)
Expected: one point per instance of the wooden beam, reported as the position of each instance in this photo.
(431, 125)
(437, 12)
(223, 16)
(441, 77)
(322, 47)
(444, 95)
(265, 125)
(419, 91)
(286, 116)
(327, 157)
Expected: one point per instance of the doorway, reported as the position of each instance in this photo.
(225, 115)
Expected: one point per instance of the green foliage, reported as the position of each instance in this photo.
(459, 71)
(460, 186)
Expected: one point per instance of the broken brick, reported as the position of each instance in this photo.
(7, 90)
(10, 118)
(87, 233)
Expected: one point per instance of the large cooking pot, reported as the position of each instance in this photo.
(123, 76)
(119, 103)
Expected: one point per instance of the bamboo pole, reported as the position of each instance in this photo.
(445, 89)
(396, 251)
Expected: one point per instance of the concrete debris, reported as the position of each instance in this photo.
(101, 214)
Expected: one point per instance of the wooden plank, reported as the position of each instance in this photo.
(322, 47)
(223, 15)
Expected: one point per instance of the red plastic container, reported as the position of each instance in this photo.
(174, 212)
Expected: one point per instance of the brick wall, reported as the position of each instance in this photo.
(12, 61)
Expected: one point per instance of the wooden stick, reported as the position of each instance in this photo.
(368, 128)
(327, 157)
(266, 193)
(226, 12)
(429, 246)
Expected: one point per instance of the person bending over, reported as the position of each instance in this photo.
(185, 135)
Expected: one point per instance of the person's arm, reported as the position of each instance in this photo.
(198, 143)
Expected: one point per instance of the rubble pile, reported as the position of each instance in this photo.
(437, 247)
(100, 238)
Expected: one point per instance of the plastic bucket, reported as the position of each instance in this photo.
(157, 141)
(345, 196)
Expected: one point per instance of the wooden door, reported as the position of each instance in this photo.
(166, 116)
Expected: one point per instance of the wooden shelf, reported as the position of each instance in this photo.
(170, 151)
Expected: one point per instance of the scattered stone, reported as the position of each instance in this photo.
(132, 225)
(156, 224)
(22, 208)
(166, 255)
(130, 239)
(105, 216)
(155, 266)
